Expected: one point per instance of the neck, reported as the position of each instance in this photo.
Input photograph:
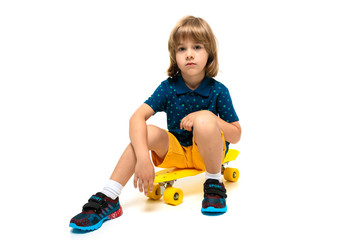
(193, 82)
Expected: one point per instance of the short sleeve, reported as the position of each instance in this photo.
(225, 107)
(157, 101)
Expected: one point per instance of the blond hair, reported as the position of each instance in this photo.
(198, 30)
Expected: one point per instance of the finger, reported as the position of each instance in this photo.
(183, 122)
(188, 126)
(135, 181)
(151, 186)
(146, 185)
(140, 185)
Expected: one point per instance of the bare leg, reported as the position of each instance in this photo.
(125, 167)
(158, 141)
(207, 135)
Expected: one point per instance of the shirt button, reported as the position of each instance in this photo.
(192, 94)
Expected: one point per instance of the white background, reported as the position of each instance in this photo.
(73, 72)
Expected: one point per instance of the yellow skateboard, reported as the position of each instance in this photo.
(165, 179)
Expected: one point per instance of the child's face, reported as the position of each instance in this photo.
(191, 58)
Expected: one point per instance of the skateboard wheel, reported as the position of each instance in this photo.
(231, 174)
(173, 196)
(156, 193)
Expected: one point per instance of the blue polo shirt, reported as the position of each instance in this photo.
(177, 100)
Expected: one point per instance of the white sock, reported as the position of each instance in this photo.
(216, 176)
(112, 189)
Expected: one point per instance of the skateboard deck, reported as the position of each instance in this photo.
(164, 179)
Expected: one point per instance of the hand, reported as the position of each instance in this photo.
(144, 176)
(187, 122)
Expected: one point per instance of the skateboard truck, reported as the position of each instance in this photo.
(165, 185)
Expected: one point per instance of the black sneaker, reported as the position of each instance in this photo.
(214, 198)
(98, 209)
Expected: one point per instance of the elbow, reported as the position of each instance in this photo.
(237, 136)
(233, 134)
(137, 118)
(134, 118)
(235, 140)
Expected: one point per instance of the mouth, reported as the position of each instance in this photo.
(190, 64)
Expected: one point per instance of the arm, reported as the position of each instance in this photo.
(232, 131)
(138, 130)
(144, 170)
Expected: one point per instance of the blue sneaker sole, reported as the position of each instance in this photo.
(213, 211)
(89, 228)
(113, 215)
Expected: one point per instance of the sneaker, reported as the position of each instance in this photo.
(214, 202)
(98, 209)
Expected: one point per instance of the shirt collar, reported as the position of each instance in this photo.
(203, 89)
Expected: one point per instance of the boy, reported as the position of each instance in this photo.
(201, 122)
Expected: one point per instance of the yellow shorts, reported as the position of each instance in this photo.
(182, 157)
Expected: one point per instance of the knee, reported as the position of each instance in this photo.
(151, 128)
(205, 124)
(156, 137)
(152, 134)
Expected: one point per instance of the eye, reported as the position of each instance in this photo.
(197, 47)
(180, 49)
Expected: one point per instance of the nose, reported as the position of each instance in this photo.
(189, 54)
